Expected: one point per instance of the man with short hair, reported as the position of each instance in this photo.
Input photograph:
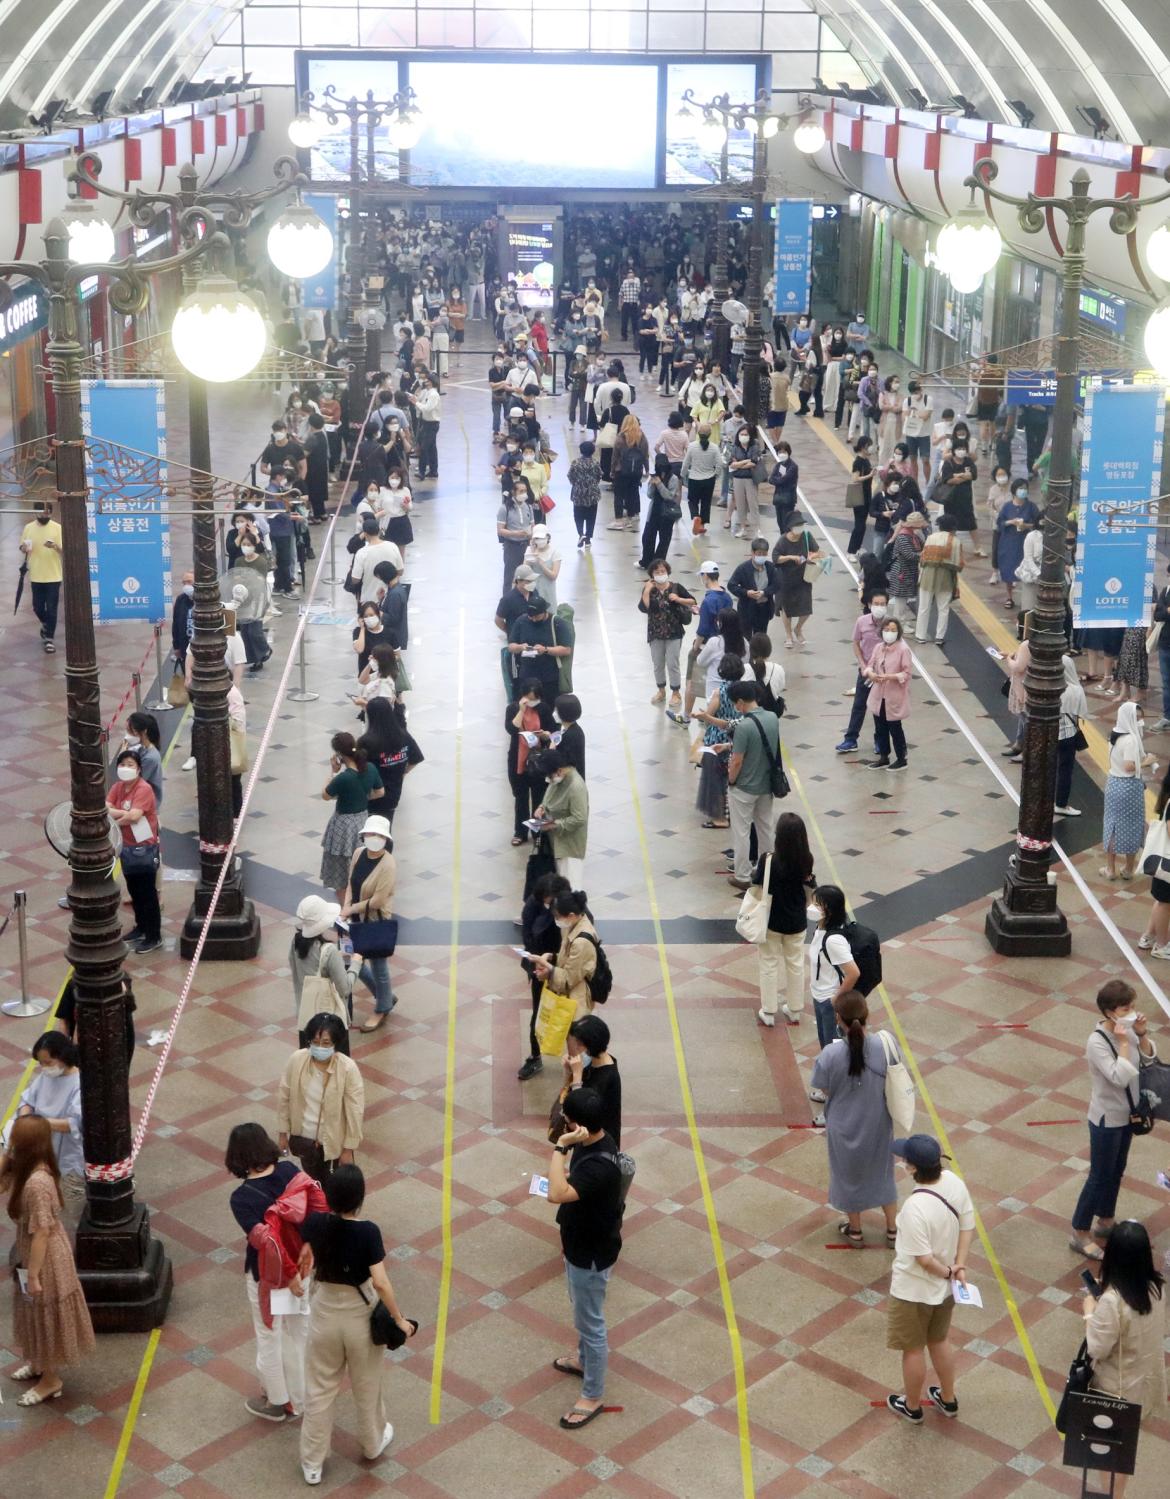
(630, 298)
(40, 542)
(867, 631)
(536, 642)
(281, 451)
(585, 1184)
(755, 746)
(936, 1225)
(515, 602)
(377, 549)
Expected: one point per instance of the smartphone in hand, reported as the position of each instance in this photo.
(1091, 1283)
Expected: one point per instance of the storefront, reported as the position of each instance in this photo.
(24, 316)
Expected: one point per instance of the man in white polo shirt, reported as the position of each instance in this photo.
(936, 1224)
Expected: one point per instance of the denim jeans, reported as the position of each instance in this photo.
(1108, 1154)
(826, 1021)
(860, 707)
(587, 1297)
(375, 974)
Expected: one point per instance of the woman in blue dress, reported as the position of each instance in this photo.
(1015, 519)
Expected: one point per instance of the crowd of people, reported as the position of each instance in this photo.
(300, 1196)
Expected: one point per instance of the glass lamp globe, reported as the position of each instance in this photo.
(303, 131)
(969, 245)
(91, 239)
(1158, 252)
(965, 280)
(404, 131)
(809, 136)
(771, 126)
(713, 131)
(1157, 340)
(299, 243)
(218, 332)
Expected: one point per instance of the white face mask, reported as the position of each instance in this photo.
(127, 772)
(661, 579)
(372, 622)
(813, 913)
(1129, 1021)
(889, 636)
(52, 1069)
(189, 590)
(878, 611)
(395, 483)
(374, 845)
(564, 923)
(248, 551)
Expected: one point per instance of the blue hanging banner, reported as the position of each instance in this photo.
(1121, 470)
(321, 290)
(129, 535)
(1038, 387)
(794, 221)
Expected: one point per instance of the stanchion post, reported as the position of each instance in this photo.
(302, 694)
(160, 704)
(136, 683)
(27, 1004)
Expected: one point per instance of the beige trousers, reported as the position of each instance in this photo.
(339, 1340)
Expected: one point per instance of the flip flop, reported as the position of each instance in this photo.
(562, 1366)
(722, 825)
(586, 1417)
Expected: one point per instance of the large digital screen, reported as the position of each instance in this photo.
(690, 160)
(534, 120)
(530, 124)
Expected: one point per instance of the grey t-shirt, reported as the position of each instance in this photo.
(755, 774)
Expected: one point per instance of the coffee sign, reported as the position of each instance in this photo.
(26, 314)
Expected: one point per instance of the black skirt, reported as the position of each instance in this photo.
(399, 530)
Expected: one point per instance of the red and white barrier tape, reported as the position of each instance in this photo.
(116, 1171)
(229, 854)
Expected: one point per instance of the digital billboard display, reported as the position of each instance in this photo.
(531, 120)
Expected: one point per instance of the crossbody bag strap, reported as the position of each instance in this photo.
(930, 1193)
(1113, 1049)
(772, 760)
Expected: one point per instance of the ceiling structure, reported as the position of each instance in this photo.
(1083, 55)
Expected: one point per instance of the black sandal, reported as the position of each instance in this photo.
(586, 1417)
(562, 1366)
(853, 1235)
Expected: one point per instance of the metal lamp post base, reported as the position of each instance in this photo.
(234, 933)
(125, 1274)
(1025, 921)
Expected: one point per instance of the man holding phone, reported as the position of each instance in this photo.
(40, 541)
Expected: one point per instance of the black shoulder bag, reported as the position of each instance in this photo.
(780, 785)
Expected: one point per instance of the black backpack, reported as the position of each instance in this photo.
(632, 463)
(866, 947)
(601, 984)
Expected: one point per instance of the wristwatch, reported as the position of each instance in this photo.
(561, 1149)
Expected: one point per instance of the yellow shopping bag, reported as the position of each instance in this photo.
(553, 1019)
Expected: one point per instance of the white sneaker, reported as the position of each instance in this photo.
(189, 763)
(312, 1475)
(789, 1016)
(1145, 942)
(818, 1121)
(818, 1095)
(1067, 811)
(1160, 952)
(765, 1019)
(387, 1438)
(1161, 723)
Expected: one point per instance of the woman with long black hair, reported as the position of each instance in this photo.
(391, 749)
(790, 883)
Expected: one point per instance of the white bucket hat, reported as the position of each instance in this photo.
(316, 916)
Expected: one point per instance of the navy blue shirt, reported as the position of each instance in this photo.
(252, 1199)
(711, 603)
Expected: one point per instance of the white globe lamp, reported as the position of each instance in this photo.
(91, 238)
(1158, 252)
(809, 136)
(218, 333)
(1157, 340)
(969, 245)
(299, 243)
(304, 131)
(965, 280)
(713, 131)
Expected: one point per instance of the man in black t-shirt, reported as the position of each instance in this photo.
(282, 452)
(585, 1182)
(536, 642)
(514, 603)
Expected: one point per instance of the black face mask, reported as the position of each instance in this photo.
(42, 520)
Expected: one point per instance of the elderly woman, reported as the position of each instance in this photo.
(909, 539)
(320, 1103)
(744, 466)
(569, 971)
(368, 896)
(889, 669)
(851, 1073)
(54, 1093)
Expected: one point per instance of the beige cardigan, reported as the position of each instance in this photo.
(377, 890)
(575, 965)
(1129, 1360)
(342, 1106)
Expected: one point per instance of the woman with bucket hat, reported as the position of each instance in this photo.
(322, 982)
(368, 897)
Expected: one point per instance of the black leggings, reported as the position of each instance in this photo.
(143, 892)
(699, 492)
(585, 517)
(857, 535)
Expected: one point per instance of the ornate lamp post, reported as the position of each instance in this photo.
(300, 244)
(1025, 919)
(720, 117)
(404, 125)
(125, 1272)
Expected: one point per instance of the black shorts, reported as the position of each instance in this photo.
(456, 335)
(987, 411)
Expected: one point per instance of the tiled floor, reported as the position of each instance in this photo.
(726, 1226)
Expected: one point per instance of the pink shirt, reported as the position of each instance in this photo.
(673, 443)
(866, 634)
(895, 695)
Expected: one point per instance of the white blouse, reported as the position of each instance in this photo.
(1125, 748)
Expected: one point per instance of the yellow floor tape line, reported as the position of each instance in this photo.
(745, 1445)
(132, 1410)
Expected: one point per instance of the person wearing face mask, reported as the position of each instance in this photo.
(143, 739)
(663, 511)
(1016, 518)
(317, 458)
(182, 624)
(889, 418)
(396, 503)
(939, 567)
(569, 970)
(909, 539)
(367, 633)
(544, 559)
(812, 379)
(709, 410)
(54, 1093)
(889, 671)
(779, 384)
(368, 895)
(133, 807)
(754, 585)
(514, 522)
(526, 717)
(362, 569)
(331, 411)
(701, 467)
(320, 1102)
(314, 954)
(785, 481)
(1116, 1052)
(669, 344)
(790, 881)
(868, 409)
(500, 390)
(917, 411)
(846, 391)
(565, 810)
(40, 543)
(791, 557)
(956, 478)
(538, 923)
(867, 634)
(835, 349)
(1124, 828)
(831, 969)
(998, 495)
(746, 467)
(668, 608)
(380, 679)
(353, 785)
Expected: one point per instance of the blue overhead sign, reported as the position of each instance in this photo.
(1104, 311)
(1121, 469)
(321, 290)
(794, 219)
(1038, 387)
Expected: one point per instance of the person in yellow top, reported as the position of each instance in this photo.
(40, 541)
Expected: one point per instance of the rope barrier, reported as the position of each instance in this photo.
(229, 852)
(135, 681)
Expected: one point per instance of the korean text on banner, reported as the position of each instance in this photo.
(1121, 466)
(794, 220)
(321, 290)
(129, 534)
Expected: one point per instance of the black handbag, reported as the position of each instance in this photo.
(1080, 1375)
(1141, 1113)
(383, 1329)
(140, 856)
(780, 785)
(375, 939)
(540, 863)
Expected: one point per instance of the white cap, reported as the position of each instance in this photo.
(709, 567)
(377, 826)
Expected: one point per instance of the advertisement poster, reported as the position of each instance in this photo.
(531, 251)
(321, 290)
(1121, 465)
(793, 256)
(129, 535)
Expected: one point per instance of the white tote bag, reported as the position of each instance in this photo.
(755, 908)
(899, 1087)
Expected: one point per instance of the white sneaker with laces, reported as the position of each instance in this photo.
(1160, 952)
(1067, 811)
(765, 1019)
(312, 1475)
(817, 1095)
(1161, 723)
(189, 763)
(1145, 942)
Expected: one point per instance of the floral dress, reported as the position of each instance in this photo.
(712, 797)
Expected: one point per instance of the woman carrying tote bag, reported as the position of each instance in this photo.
(372, 874)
